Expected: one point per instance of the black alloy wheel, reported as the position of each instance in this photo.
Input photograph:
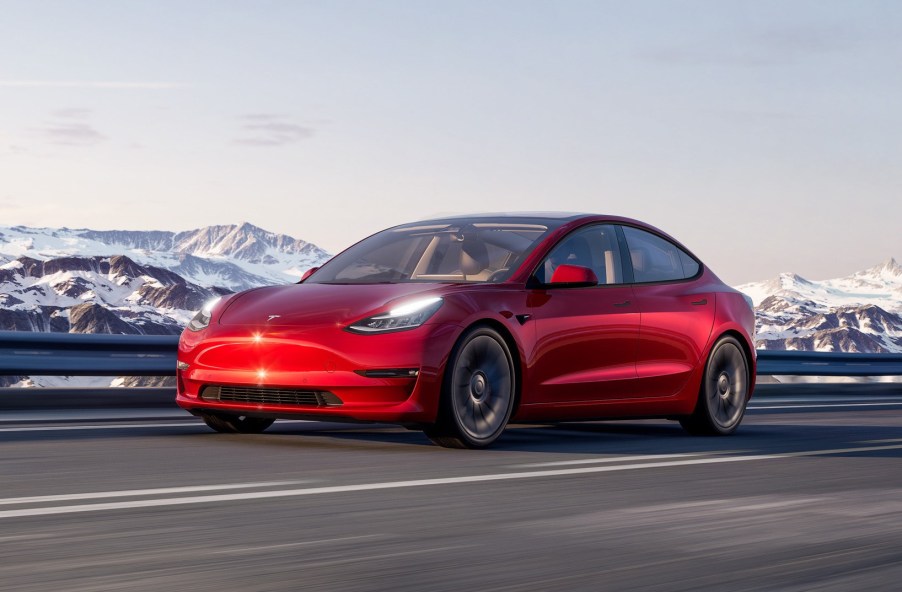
(478, 391)
(724, 392)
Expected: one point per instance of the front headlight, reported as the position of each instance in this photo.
(202, 319)
(406, 316)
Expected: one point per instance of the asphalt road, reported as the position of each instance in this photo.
(798, 499)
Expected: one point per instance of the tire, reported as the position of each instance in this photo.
(724, 392)
(236, 424)
(477, 391)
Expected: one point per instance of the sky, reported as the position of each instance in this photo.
(766, 136)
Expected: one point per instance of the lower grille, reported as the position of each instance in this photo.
(269, 396)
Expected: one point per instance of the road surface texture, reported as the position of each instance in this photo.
(806, 496)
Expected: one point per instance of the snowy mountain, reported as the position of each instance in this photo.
(135, 282)
(233, 257)
(96, 295)
(858, 313)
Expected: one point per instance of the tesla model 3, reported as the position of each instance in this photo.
(458, 326)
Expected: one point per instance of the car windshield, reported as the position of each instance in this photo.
(458, 250)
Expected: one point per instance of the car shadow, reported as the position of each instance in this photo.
(633, 437)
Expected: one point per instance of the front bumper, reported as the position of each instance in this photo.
(317, 360)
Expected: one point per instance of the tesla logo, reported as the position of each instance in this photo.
(271, 317)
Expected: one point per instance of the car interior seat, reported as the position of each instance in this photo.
(474, 257)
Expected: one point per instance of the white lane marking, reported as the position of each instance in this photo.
(144, 492)
(263, 548)
(257, 495)
(883, 441)
(887, 404)
(112, 426)
(24, 537)
(121, 426)
(613, 459)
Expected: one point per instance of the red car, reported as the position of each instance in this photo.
(459, 325)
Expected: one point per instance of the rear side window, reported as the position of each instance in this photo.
(655, 259)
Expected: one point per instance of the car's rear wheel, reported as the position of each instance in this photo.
(477, 393)
(724, 392)
(236, 424)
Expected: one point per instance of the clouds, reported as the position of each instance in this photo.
(73, 113)
(90, 84)
(766, 47)
(72, 134)
(75, 127)
(271, 129)
(69, 127)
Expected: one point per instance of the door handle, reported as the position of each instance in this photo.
(624, 303)
(701, 302)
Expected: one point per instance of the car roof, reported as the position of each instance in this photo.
(563, 216)
(551, 219)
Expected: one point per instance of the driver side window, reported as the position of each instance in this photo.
(595, 247)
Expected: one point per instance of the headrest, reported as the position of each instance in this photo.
(474, 257)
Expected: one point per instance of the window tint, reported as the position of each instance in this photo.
(655, 259)
(595, 247)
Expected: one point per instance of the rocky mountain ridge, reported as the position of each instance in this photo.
(858, 313)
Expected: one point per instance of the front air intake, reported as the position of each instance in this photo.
(269, 396)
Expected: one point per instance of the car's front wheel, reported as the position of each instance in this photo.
(236, 424)
(724, 392)
(477, 393)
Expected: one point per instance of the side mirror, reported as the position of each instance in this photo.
(307, 274)
(573, 276)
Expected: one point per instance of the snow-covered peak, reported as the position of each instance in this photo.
(791, 283)
(235, 257)
(880, 285)
(889, 271)
(244, 241)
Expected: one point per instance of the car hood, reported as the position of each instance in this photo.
(315, 304)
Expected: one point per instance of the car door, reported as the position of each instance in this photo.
(586, 336)
(677, 312)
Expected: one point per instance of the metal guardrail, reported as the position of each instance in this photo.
(806, 363)
(69, 354)
(73, 354)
